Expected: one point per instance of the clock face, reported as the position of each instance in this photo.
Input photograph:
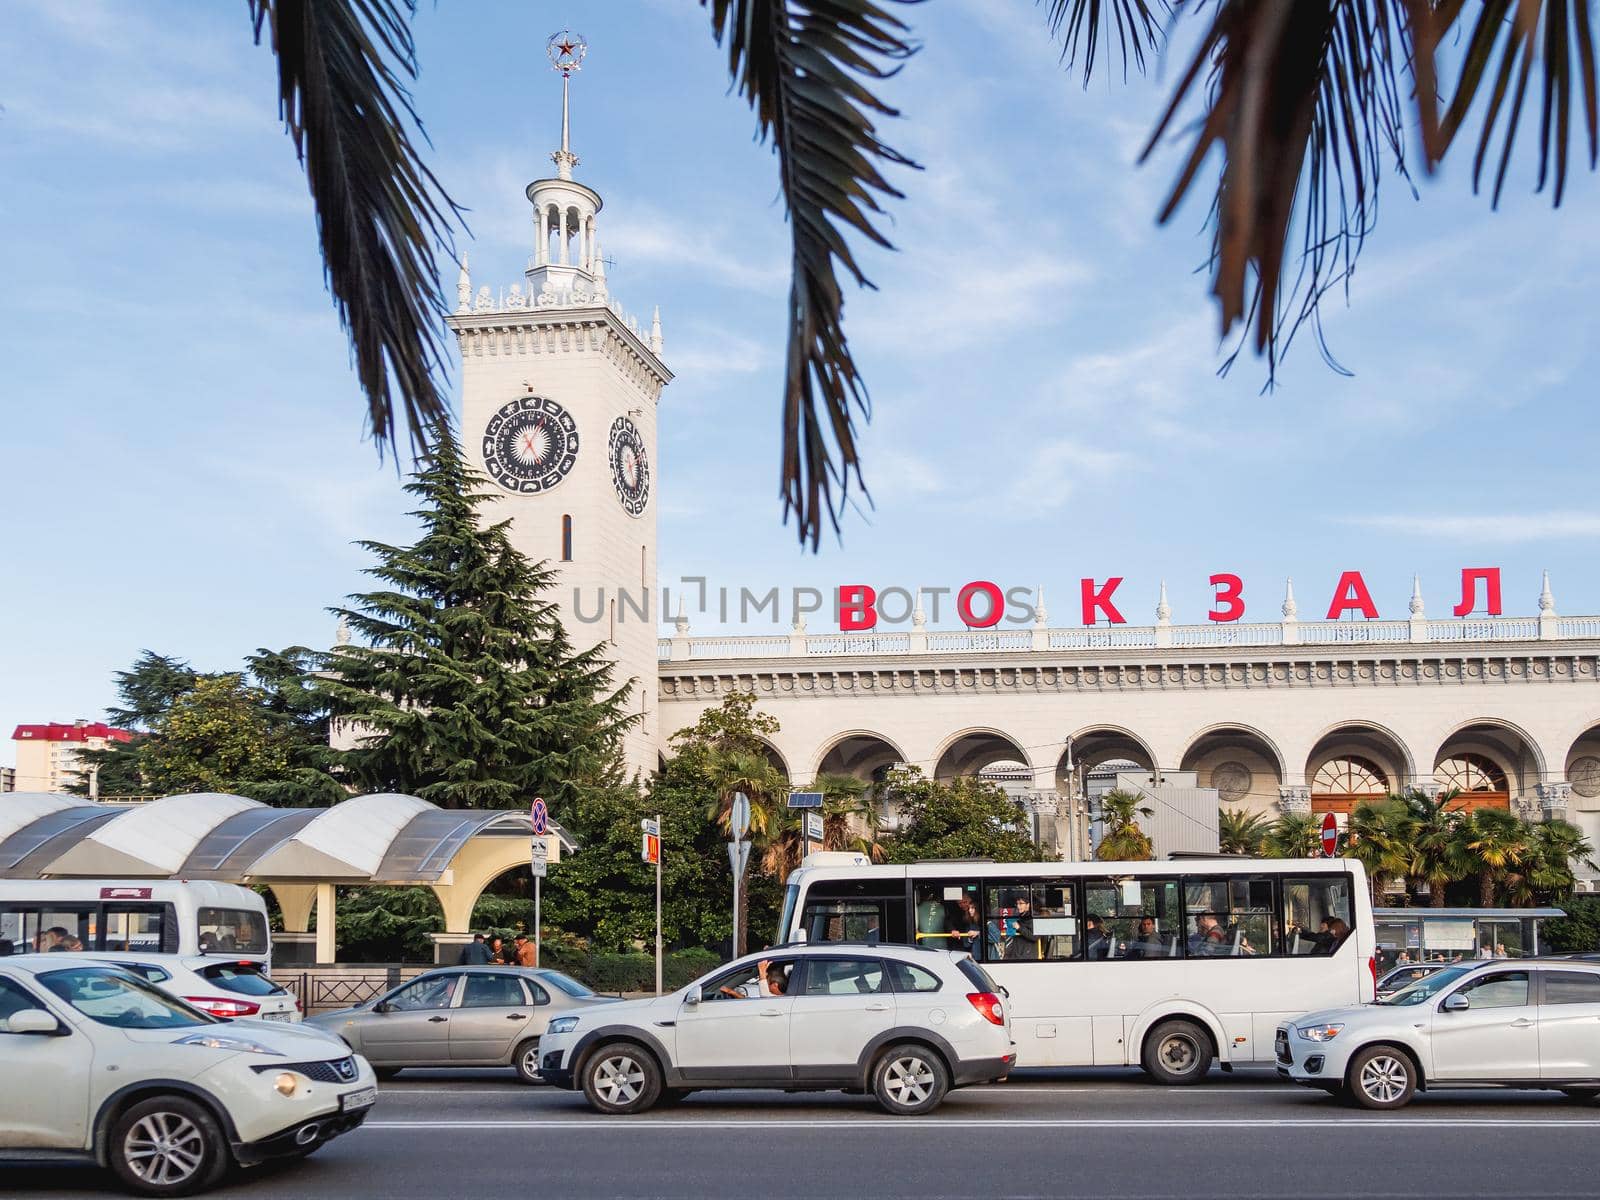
(530, 445)
(630, 469)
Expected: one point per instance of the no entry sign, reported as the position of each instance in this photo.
(1330, 835)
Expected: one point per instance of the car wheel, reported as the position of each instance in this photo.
(1382, 1077)
(386, 1073)
(526, 1060)
(1177, 1053)
(620, 1078)
(168, 1146)
(909, 1080)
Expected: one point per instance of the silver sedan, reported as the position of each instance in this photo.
(460, 1017)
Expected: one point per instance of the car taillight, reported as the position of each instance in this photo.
(1372, 965)
(988, 1004)
(218, 1007)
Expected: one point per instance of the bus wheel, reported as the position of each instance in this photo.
(1177, 1052)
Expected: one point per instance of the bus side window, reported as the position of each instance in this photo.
(948, 916)
(1132, 919)
(1229, 917)
(1030, 920)
(133, 927)
(1317, 914)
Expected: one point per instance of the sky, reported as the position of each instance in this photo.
(184, 457)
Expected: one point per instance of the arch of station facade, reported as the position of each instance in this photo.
(859, 753)
(1491, 760)
(1244, 764)
(1355, 761)
(971, 750)
(1582, 767)
(1096, 744)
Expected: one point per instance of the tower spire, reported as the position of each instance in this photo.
(566, 50)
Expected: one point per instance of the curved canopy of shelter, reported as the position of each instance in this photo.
(383, 838)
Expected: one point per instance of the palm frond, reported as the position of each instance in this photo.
(381, 213)
(1081, 25)
(1307, 101)
(1565, 54)
(801, 65)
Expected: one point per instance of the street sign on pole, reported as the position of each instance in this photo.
(539, 860)
(1330, 835)
(813, 827)
(650, 848)
(654, 831)
(739, 816)
(805, 799)
(539, 814)
(738, 859)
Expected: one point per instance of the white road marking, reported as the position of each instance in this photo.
(611, 1125)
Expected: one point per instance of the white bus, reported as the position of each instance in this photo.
(1164, 965)
(150, 916)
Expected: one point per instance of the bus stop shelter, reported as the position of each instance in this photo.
(301, 854)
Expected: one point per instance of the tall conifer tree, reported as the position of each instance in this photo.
(461, 675)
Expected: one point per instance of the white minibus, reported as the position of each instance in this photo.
(1165, 965)
(153, 916)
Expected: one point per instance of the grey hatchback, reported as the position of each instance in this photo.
(460, 1017)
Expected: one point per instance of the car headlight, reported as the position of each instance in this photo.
(1319, 1033)
(562, 1025)
(287, 1083)
(225, 1041)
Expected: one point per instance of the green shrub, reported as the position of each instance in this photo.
(1576, 933)
(684, 966)
(622, 972)
(568, 959)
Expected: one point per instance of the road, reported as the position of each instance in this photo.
(438, 1135)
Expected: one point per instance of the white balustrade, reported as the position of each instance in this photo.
(1484, 629)
(1134, 637)
(1354, 632)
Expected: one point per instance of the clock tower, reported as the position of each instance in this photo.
(558, 408)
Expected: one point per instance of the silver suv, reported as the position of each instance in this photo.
(1526, 1023)
(905, 1023)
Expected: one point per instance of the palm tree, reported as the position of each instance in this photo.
(1240, 832)
(1555, 847)
(1123, 841)
(1496, 842)
(734, 771)
(847, 807)
(1436, 850)
(1378, 836)
(1294, 835)
(1308, 102)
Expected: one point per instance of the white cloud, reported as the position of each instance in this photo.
(702, 356)
(1053, 470)
(651, 237)
(1500, 527)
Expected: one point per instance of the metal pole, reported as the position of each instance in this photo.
(538, 924)
(661, 851)
(735, 953)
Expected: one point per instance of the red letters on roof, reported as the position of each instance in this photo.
(58, 732)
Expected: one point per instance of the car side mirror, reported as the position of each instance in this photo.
(382, 1006)
(1456, 1002)
(692, 998)
(35, 1021)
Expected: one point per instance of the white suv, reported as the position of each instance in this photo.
(905, 1023)
(100, 1065)
(1527, 1023)
(236, 988)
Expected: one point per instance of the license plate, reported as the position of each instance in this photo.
(365, 1098)
(277, 1016)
